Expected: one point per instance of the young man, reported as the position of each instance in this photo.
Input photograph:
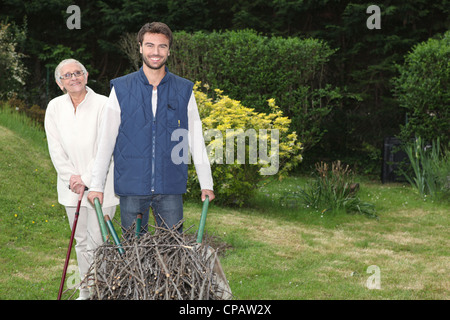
(150, 112)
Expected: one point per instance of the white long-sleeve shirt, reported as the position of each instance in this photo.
(110, 129)
(72, 142)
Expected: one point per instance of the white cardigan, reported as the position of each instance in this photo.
(72, 142)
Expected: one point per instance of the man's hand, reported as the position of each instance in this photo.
(94, 194)
(206, 192)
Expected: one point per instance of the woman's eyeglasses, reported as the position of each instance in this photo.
(69, 75)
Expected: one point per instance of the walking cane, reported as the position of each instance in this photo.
(74, 226)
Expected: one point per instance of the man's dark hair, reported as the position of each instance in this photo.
(155, 27)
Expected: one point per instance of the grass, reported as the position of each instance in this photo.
(276, 249)
(317, 256)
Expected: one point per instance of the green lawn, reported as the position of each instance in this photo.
(273, 249)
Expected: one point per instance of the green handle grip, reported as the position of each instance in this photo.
(114, 235)
(138, 225)
(201, 227)
(101, 220)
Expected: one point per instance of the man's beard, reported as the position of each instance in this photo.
(147, 63)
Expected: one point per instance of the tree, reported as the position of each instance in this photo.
(422, 89)
(12, 69)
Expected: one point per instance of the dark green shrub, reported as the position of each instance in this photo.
(253, 68)
(422, 88)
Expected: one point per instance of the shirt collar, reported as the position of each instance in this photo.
(145, 80)
(89, 92)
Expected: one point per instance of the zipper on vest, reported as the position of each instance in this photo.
(153, 154)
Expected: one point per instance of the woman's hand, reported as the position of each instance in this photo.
(76, 184)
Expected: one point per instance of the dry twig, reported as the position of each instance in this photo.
(160, 265)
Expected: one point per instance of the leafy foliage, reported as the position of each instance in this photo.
(253, 68)
(237, 172)
(430, 168)
(334, 189)
(361, 64)
(12, 69)
(362, 67)
(423, 89)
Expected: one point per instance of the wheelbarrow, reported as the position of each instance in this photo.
(208, 254)
(224, 290)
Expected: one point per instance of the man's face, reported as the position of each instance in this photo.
(155, 50)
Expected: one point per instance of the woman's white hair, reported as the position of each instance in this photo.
(63, 63)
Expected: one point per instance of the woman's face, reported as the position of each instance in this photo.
(75, 83)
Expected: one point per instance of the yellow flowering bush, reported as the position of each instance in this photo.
(243, 146)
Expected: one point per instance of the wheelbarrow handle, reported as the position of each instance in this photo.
(201, 227)
(101, 219)
(138, 225)
(105, 225)
(114, 235)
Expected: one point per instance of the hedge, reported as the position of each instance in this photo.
(252, 68)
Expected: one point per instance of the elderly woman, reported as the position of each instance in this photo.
(72, 121)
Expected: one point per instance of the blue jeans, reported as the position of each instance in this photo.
(167, 210)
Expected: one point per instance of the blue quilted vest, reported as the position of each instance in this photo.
(142, 156)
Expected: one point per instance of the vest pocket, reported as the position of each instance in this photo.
(173, 121)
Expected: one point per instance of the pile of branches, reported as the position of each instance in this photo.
(159, 265)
